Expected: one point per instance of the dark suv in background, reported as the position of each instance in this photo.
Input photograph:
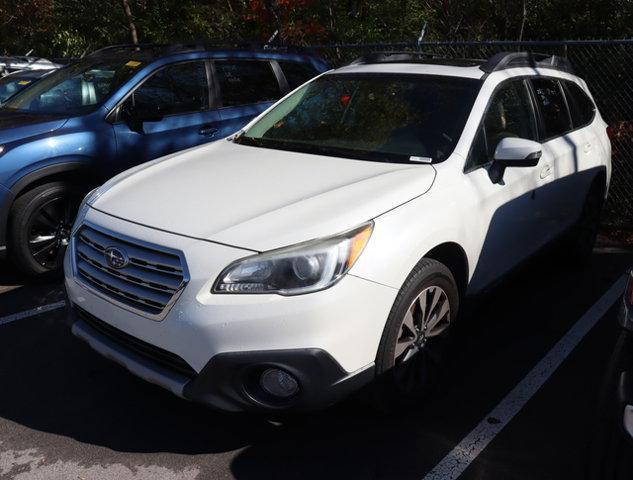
(116, 108)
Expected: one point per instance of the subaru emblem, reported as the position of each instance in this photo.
(116, 257)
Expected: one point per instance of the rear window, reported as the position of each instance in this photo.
(243, 82)
(382, 117)
(551, 103)
(581, 107)
(297, 73)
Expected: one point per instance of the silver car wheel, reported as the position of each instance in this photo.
(428, 316)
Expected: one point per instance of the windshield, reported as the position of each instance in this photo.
(11, 85)
(76, 89)
(382, 117)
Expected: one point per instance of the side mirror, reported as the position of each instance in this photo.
(514, 152)
(136, 116)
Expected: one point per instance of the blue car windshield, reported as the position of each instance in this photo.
(11, 84)
(76, 89)
(380, 117)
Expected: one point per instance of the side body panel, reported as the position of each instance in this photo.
(488, 221)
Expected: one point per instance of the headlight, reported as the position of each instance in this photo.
(84, 206)
(303, 268)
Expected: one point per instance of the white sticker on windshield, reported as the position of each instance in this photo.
(421, 159)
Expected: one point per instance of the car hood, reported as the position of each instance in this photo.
(258, 198)
(18, 125)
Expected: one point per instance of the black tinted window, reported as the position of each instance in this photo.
(297, 73)
(509, 114)
(180, 88)
(580, 105)
(246, 81)
(552, 105)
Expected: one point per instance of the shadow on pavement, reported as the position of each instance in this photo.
(53, 383)
(18, 293)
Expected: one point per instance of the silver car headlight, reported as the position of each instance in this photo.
(84, 206)
(303, 268)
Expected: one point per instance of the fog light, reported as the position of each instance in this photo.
(278, 383)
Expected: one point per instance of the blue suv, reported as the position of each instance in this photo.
(116, 108)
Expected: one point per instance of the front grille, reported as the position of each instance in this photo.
(150, 280)
(166, 359)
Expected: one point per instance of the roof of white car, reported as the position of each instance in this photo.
(415, 68)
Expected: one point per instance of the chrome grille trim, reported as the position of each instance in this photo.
(149, 285)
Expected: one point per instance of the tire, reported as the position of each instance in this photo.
(581, 239)
(408, 362)
(40, 222)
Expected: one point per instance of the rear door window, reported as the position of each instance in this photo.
(581, 106)
(244, 82)
(551, 103)
(297, 73)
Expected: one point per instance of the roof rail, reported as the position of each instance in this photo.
(415, 57)
(394, 57)
(198, 46)
(504, 60)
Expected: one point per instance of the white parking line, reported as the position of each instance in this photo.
(454, 464)
(29, 313)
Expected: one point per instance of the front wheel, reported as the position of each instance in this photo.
(416, 335)
(40, 222)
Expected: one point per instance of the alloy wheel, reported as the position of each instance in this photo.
(49, 231)
(421, 338)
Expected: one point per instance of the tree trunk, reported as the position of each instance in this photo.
(272, 7)
(523, 20)
(130, 21)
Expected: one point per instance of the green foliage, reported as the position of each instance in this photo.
(59, 28)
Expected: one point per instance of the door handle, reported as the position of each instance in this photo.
(208, 131)
(546, 171)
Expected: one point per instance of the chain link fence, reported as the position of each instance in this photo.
(606, 66)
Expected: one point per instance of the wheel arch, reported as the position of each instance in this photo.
(67, 170)
(454, 257)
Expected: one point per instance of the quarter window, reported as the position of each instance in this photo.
(509, 114)
(246, 81)
(581, 107)
(552, 105)
(176, 89)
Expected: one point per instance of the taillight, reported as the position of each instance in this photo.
(628, 295)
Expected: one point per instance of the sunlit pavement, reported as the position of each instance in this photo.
(67, 413)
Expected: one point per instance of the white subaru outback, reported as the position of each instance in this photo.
(328, 244)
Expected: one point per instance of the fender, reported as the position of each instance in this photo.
(7, 196)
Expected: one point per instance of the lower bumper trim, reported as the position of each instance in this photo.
(136, 364)
(229, 380)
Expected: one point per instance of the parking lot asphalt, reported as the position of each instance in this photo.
(66, 412)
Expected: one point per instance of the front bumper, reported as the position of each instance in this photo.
(229, 380)
(207, 345)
